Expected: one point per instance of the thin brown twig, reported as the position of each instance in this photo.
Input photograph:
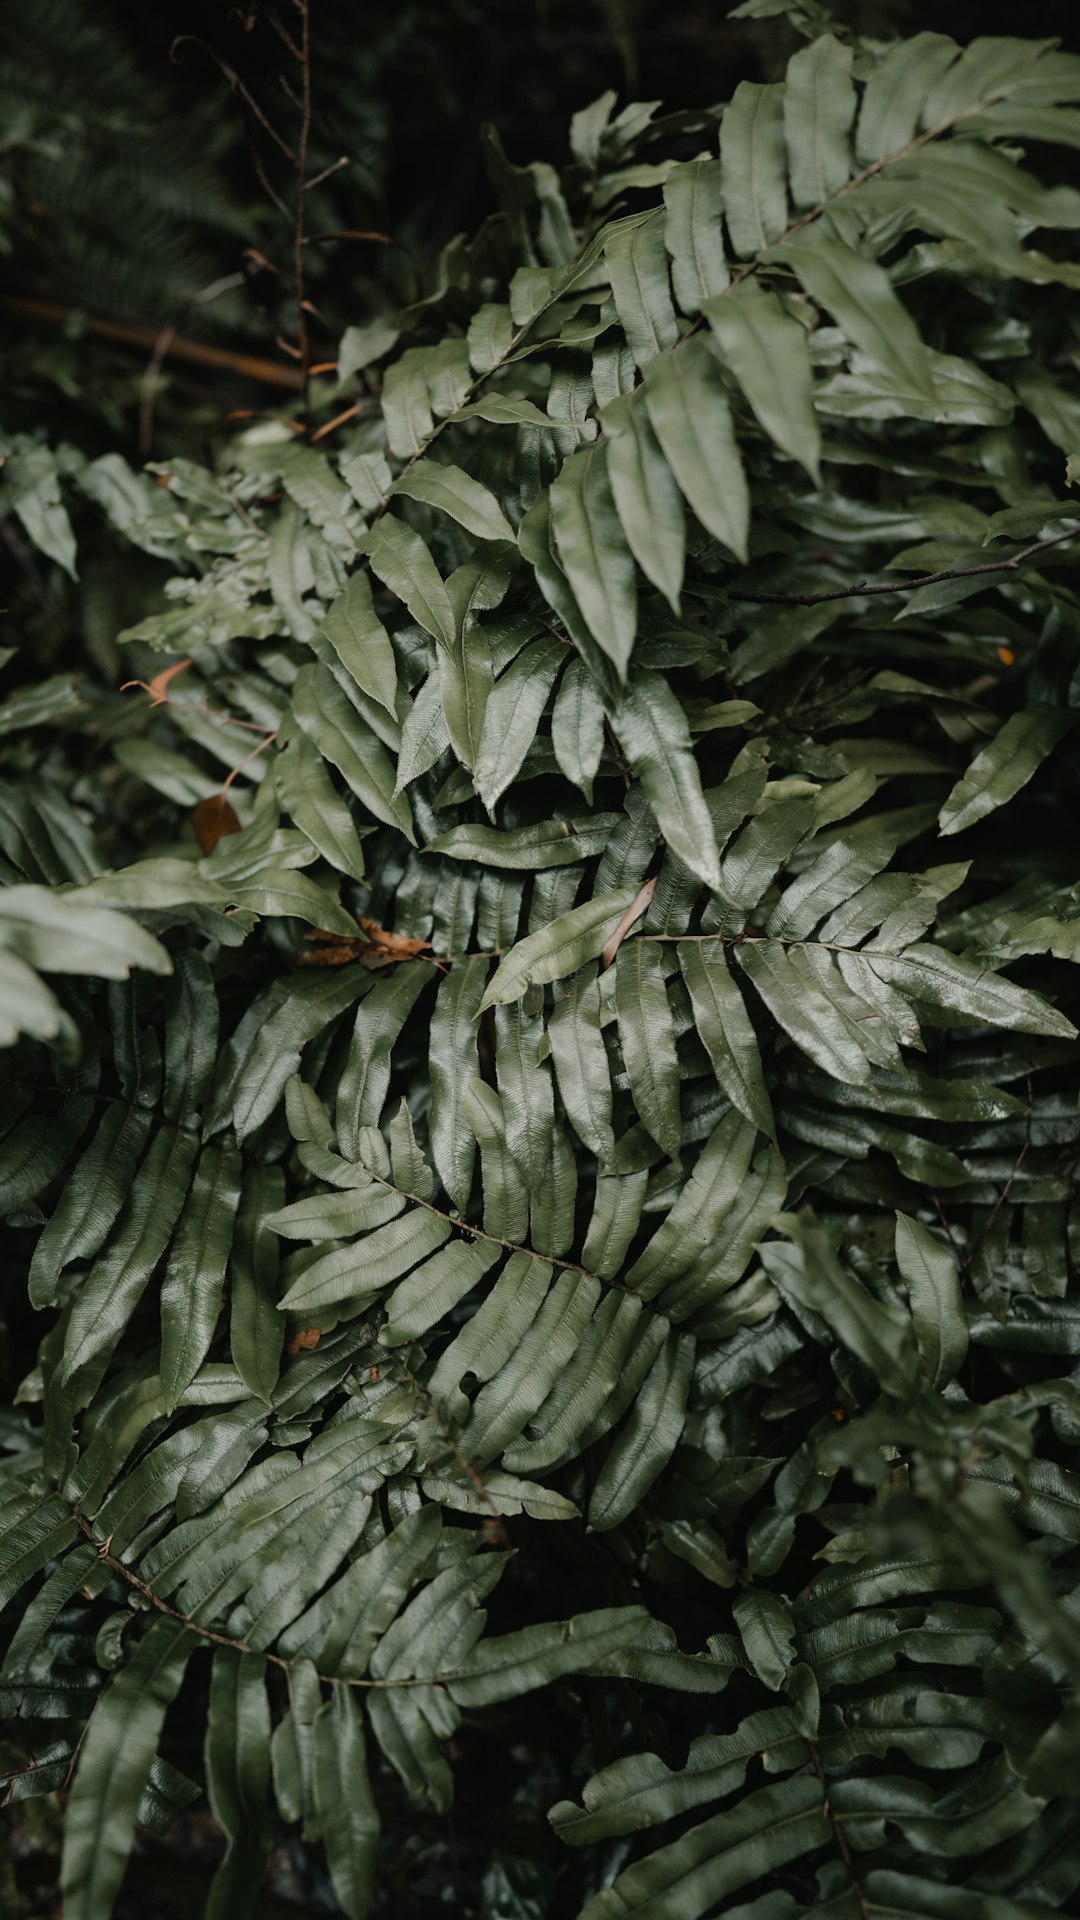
(334, 167)
(253, 755)
(210, 1634)
(355, 233)
(864, 588)
(303, 7)
(837, 1830)
(339, 419)
(11, 1774)
(286, 88)
(495, 1239)
(148, 389)
(282, 31)
(203, 708)
(1016, 1166)
(155, 1600)
(264, 180)
(131, 334)
(467, 1466)
(237, 86)
(963, 1258)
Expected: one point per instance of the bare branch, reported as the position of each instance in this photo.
(864, 587)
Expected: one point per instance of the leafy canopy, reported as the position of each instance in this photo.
(665, 1201)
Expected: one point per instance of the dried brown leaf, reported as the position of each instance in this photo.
(373, 947)
(639, 905)
(213, 819)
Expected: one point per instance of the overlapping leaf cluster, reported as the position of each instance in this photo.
(704, 1198)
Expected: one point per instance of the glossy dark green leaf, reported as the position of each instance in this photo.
(334, 1215)
(35, 1528)
(577, 727)
(253, 1075)
(454, 1063)
(647, 498)
(35, 1152)
(687, 1877)
(406, 403)
(425, 734)
(754, 167)
(343, 1625)
(647, 1039)
(807, 1267)
(120, 1273)
(517, 1390)
(114, 1766)
(819, 107)
(291, 1741)
(506, 1197)
(558, 948)
(75, 935)
(552, 843)
(726, 1029)
(637, 262)
(928, 1270)
(256, 1328)
(338, 1278)
(360, 641)
(690, 416)
(896, 91)
(191, 1294)
(431, 1292)
(858, 294)
(801, 1007)
(365, 1077)
(652, 731)
(335, 727)
(768, 353)
(1001, 769)
(503, 410)
(348, 1818)
(837, 874)
(641, 1791)
(512, 1663)
(768, 1634)
(91, 1200)
(404, 565)
(581, 1061)
(536, 541)
(957, 985)
(593, 552)
(456, 493)
(647, 1441)
(512, 716)
(311, 800)
(692, 1226)
(694, 232)
(238, 1778)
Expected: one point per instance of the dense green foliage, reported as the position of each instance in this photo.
(646, 1293)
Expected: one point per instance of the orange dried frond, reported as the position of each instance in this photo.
(373, 947)
(337, 955)
(389, 946)
(156, 687)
